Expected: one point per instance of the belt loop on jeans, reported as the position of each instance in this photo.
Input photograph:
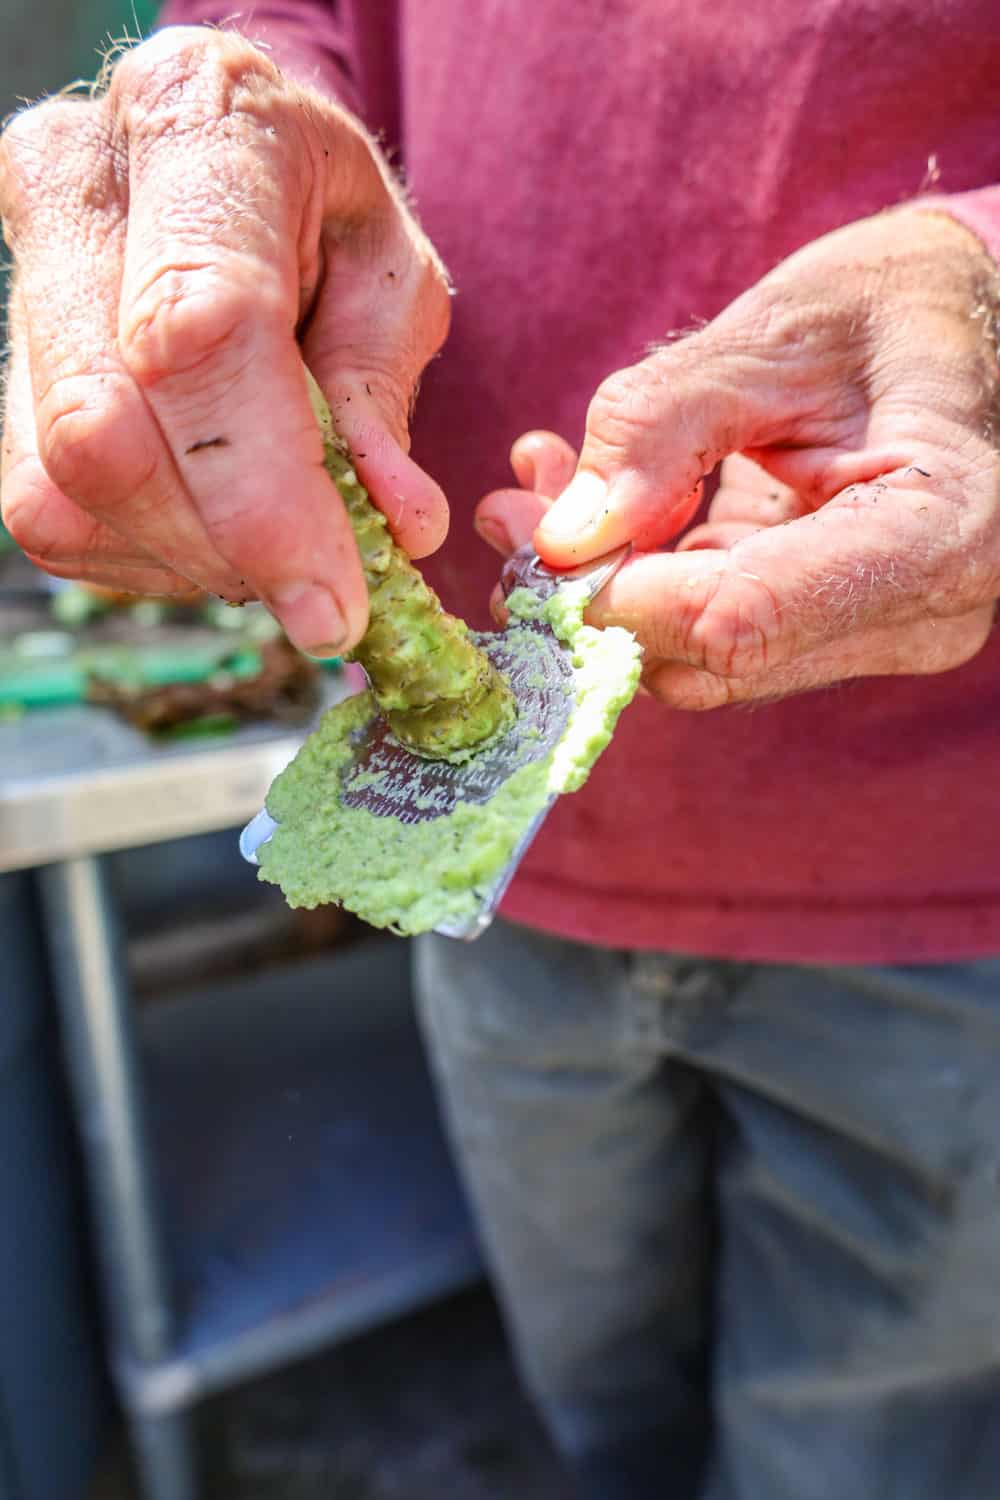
(666, 993)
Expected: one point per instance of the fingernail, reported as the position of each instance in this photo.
(578, 509)
(494, 534)
(498, 606)
(312, 618)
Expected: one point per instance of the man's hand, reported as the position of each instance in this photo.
(180, 244)
(859, 532)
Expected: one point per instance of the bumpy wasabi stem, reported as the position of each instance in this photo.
(442, 697)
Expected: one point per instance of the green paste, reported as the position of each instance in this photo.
(411, 877)
(606, 667)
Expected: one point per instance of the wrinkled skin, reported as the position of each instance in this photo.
(179, 243)
(180, 237)
(853, 398)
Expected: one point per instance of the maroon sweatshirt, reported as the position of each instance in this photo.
(596, 173)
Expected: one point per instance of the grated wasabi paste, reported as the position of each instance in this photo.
(413, 876)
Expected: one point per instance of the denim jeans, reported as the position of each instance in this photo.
(743, 1219)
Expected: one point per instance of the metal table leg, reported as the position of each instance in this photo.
(102, 1059)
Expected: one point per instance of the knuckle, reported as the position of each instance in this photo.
(959, 577)
(22, 145)
(703, 692)
(635, 410)
(156, 78)
(622, 407)
(88, 442)
(394, 397)
(30, 145)
(733, 628)
(33, 513)
(775, 318)
(29, 131)
(189, 315)
(436, 303)
(978, 631)
(960, 640)
(689, 689)
(19, 504)
(408, 304)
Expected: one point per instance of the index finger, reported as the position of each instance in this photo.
(104, 484)
(871, 557)
(212, 290)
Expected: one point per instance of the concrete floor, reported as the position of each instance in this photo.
(425, 1409)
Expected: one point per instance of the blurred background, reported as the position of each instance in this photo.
(234, 1257)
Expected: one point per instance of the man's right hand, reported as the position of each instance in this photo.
(181, 243)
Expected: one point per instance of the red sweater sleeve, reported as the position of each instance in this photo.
(310, 40)
(978, 210)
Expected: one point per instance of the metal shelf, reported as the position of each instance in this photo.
(265, 1165)
(306, 1185)
(77, 781)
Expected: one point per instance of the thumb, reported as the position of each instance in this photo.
(867, 560)
(653, 431)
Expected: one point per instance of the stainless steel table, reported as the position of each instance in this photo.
(191, 1309)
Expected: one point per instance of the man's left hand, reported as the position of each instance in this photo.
(854, 396)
